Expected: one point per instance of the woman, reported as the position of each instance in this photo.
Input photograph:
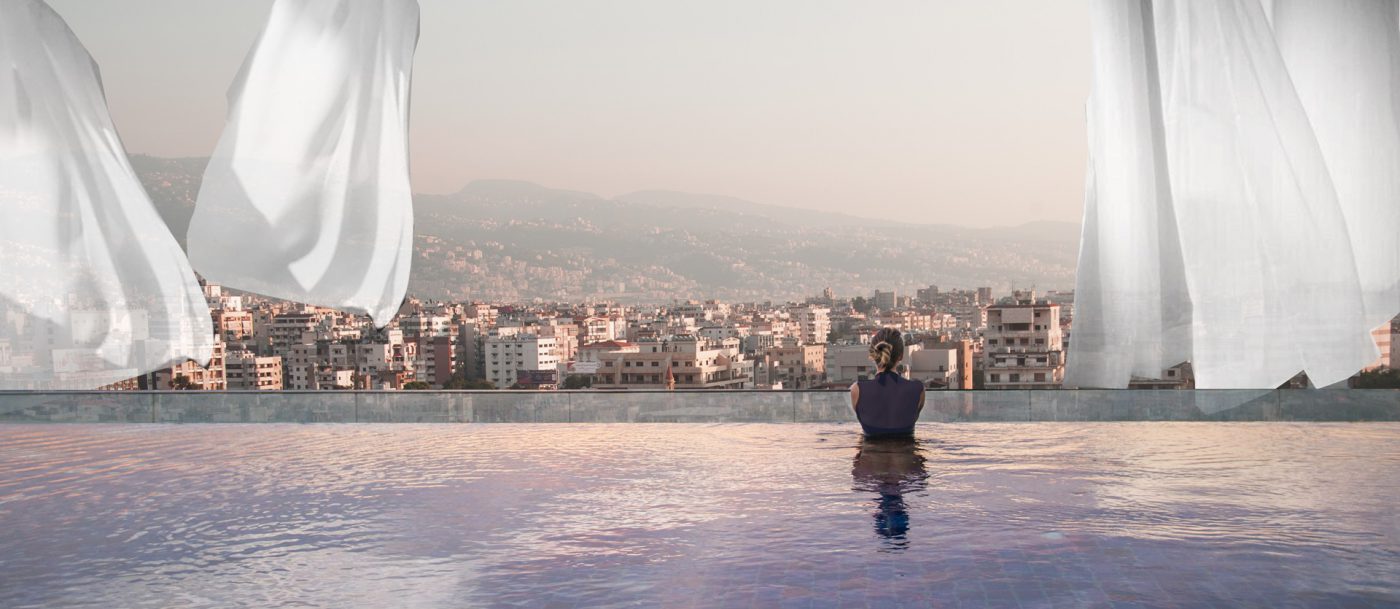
(887, 405)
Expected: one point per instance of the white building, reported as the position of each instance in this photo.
(937, 365)
(814, 323)
(506, 355)
(848, 363)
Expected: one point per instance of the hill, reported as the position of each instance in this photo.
(517, 241)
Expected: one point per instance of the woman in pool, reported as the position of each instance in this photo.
(887, 405)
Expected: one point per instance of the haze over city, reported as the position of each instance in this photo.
(964, 112)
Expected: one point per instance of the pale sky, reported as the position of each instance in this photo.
(940, 111)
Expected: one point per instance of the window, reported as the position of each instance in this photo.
(1040, 377)
(1015, 378)
(996, 378)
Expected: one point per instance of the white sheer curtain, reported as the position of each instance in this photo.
(307, 196)
(93, 287)
(1220, 157)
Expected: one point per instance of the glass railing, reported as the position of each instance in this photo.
(704, 406)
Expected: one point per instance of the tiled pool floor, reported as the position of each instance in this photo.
(764, 515)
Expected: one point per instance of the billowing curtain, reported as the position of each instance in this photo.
(1267, 191)
(1132, 310)
(93, 287)
(307, 196)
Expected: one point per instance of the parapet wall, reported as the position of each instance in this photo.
(685, 406)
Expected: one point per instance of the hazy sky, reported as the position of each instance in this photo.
(960, 111)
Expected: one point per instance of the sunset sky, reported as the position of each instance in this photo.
(939, 111)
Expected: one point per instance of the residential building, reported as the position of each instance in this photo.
(190, 375)
(1024, 348)
(886, 301)
(795, 367)
(848, 363)
(693, 363)
(946, 363)
(507, 355)
(249, 371)
(814, 323)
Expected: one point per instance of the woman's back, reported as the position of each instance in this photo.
(889, 405)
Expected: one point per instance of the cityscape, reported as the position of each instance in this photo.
(530, 324)
(957, 340)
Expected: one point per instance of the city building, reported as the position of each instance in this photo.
(1023, 347)
(945, 363)
(249, 371)
(507, 355)
(886, 301)
(813, 323)
(190, 375)
(794, 367)
(848, 363)
(692, 362)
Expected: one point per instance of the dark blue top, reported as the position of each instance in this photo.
(889, 405)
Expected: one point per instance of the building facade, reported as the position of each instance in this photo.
(1024, 347)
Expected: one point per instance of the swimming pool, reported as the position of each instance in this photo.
(690, 515)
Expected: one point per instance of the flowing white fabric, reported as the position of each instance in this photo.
(93, 287)
(1274, 280)
(1132, 310)
(1343, 57)
(307, 197)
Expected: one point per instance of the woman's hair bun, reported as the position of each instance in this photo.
(886, 348)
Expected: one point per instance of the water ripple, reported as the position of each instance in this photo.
(698, 515)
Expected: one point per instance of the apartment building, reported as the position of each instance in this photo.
(942, 363)
(848, 363)
(690, 361)
(813, 323)
(249, 371)
(190, 375)
(506, 355)
(1024, 347)
(794, 366)
(234, 326)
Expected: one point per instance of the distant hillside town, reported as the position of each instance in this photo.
(526, 288)
(506, 241)
(958, 339)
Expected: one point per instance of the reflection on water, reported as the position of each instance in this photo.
(890, 468)
(1025, 515)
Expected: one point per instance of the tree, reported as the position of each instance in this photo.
(577, 381)
(459, 381)
(416, 385)
(860, 304)
(181, 383)
(1377, 379)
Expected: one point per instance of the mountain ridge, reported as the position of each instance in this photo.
(515, 240)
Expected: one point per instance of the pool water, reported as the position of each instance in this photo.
(679, 515)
